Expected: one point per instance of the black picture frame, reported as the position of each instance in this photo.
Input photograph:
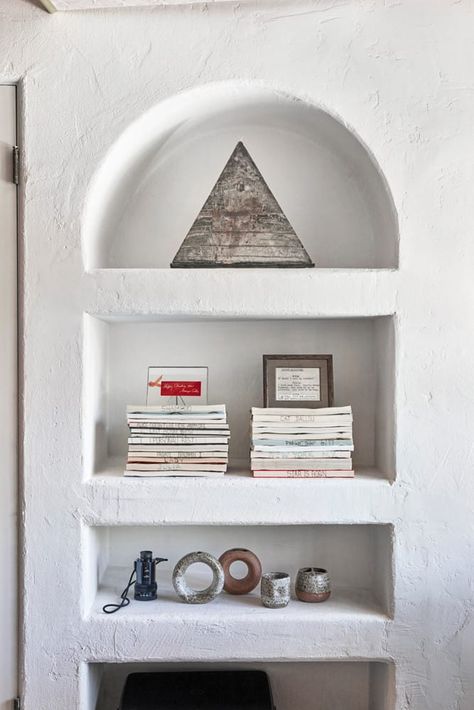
(271, 365)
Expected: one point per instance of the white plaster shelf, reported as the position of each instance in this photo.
(69, 5)
(111, 499)
(349, 625)
(119, 352)
(274, 293)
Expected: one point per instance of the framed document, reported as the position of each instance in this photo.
(298, 381)
(176, 385)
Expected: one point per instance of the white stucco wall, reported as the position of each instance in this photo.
(399, 73)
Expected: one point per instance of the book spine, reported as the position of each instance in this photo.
(135, 431)
(178, 408)
(171, 460)
(175, 440)
(174, 473)
(269, 465)
(180, 425)
(321, 443)
(205, 419)
(300, 455)
(289, 450)
(303, 474)
(183, 456)
(343, 420)
(300, 429)
(172, 450)
(300, 411)
(300, 437)
(174, 466)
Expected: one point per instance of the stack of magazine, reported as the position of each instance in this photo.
(177, 440)
(302, 443)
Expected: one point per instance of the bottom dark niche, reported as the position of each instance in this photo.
(197, 690)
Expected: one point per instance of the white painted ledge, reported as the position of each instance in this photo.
(270, 293)
(112, 499)
(64, 5)
(349, 625)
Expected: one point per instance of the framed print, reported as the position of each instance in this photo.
(176, 385)
(298, 381)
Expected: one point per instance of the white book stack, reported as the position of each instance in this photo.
(302, 443)
(177, 440)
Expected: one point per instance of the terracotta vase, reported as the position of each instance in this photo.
(312, 584)
(254, 570)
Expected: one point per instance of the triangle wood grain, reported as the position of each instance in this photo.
(241, 224)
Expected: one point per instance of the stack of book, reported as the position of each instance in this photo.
(177, 440)
(302, 443)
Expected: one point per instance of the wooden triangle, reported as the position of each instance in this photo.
(241, 224)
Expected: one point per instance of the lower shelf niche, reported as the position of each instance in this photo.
(358, 558)
(118, 353)
(339, 685)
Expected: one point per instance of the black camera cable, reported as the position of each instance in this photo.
(112, 608)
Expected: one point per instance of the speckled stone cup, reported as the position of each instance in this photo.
(275, 589)
(312, 584)
(194, 596)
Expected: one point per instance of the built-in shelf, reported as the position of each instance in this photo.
(138, 312)
(351, 624)
(343, 685)
(157, 175)
(249, 293)
(344, 605)
(318, 630)
(68, 5)
(358, 557)
(118, 353)
(110, 498)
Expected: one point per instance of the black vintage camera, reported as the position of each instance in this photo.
(145, 571)
(143, 576)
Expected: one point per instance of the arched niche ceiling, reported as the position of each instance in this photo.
(158, 174)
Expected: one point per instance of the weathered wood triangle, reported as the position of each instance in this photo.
(241, 224)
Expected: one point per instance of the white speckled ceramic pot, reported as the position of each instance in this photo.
(193, 596)
(275, 589)
(312, 584)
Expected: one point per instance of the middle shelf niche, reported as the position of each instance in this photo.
(119, 351)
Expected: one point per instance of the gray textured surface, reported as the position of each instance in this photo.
(192, 596)
(275, 589)
(313, 580)
(241, 224)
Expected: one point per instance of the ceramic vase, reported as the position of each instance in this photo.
(193, 596)
(312, 584)
(275, 589)
(254, 570)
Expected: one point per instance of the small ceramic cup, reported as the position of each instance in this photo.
(312, 584)
(275, 589)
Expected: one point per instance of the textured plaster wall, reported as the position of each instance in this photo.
(401, 74)
(94, 4)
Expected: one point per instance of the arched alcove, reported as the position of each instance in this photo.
(156, 177)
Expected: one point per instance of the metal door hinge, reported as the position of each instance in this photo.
(17, 704)
(16, 173)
